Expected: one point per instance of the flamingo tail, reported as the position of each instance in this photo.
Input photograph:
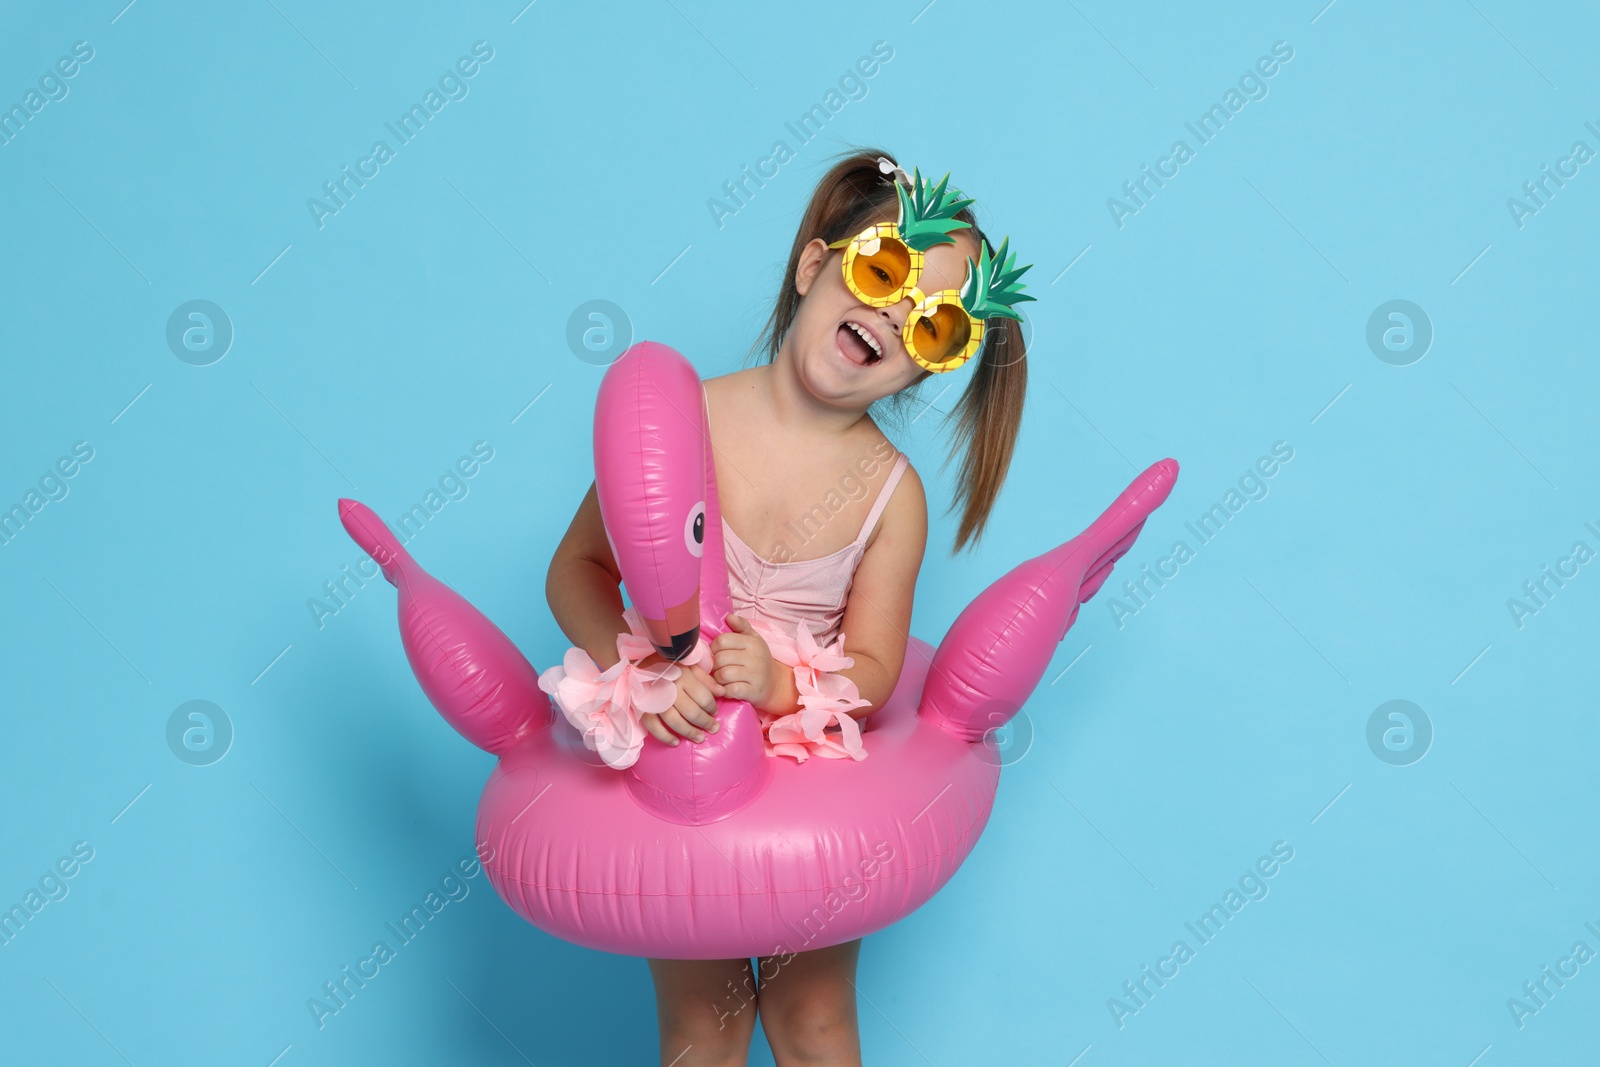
(470, 670)
(998, 648)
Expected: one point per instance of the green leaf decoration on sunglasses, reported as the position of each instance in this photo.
(992, 285)
(927, 213)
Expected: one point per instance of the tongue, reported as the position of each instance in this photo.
(854, 347)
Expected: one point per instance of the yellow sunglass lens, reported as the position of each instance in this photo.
(941, 332)
(882, 274)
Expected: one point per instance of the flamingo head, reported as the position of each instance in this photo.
(657, 489)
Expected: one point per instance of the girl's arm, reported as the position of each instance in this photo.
(583, 587)
(877, 615)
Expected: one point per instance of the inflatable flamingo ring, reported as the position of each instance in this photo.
(716, 850)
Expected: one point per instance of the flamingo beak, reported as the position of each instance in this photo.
(676, 635)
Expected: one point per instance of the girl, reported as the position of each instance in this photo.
(789, 436)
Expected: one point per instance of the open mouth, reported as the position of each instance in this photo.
(858, 345)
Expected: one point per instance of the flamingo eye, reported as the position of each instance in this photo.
(694, 529)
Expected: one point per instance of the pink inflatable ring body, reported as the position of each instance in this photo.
(714, 850)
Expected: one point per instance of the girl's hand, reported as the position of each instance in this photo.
(693, 710)
(743, 663)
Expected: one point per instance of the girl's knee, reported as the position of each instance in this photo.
(725, 1051)
(706, 1011)
(704, 1041)
(818, 1026)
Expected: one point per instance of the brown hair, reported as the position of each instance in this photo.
(853, 194)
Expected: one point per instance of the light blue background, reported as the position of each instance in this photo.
(1228, 314)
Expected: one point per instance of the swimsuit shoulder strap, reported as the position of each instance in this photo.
(883, 497)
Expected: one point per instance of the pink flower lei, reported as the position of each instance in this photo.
(606, 707)
(822, 726)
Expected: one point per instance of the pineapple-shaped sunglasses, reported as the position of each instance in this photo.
(883, 265)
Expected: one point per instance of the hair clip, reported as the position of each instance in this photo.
(890, 169)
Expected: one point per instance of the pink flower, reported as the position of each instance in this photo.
(825, 700)
(605, 706)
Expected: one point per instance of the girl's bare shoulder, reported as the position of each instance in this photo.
(908, 496)
(911, 498)
(738, 381)
(905, 515)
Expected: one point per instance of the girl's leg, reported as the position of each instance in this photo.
(808, 1007)
(706, 1010)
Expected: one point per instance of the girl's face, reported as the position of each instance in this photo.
(826, 342)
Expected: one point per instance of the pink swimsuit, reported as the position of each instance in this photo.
(779, 595)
